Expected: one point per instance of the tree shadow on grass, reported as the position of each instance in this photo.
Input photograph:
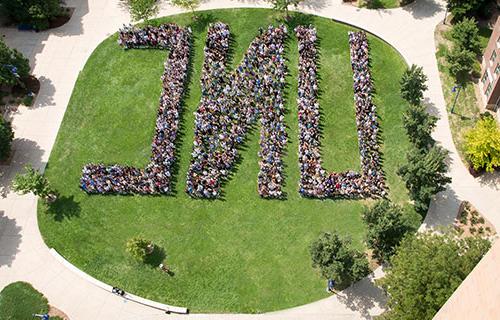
(64, 208)
(156, 257)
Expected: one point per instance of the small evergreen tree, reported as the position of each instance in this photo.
(419, 125)
(465, 35)
(141, 9)
(387, 224)
(413, 84)
(426, 270)
(461, 61)
(482, 144)
(337, 260)
(425, 175)
(6, 137)
(187, 5)
(282, 5)
(13, 65)
(138, 247)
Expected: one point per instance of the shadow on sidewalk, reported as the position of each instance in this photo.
(363, 296)
(10, 239)
(421, 9)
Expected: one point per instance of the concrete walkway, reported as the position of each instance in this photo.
(57, 57)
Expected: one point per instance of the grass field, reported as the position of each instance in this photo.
(19, 300)
(237, 254)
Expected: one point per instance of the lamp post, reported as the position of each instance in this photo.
(445, 14)
(455, 89)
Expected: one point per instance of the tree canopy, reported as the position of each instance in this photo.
(6, 137)
(465, 35)
(13, 65)
(419, 125)
(337, 260)
(36, 12)
(425, 271)
(466, 8)
(187, 4)
(413, 84)
(282, 5)
(482, 144)
(425, 175)
(387, 224)
(141, 9)
(32, 181)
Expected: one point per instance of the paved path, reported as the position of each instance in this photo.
(57, 57)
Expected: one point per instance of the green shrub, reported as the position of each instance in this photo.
(35, 12)
(465, 35)
(482, 144)
(138, 247)
(337, 260)
(13, 65)
(33, 181)
(6, 137)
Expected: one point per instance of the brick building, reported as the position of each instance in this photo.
(490, 71)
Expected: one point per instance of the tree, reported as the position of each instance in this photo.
(419, 125)
(465, 35)
(6, 137)
(413, 84)
(13, 65)
(425, 175)
(466, 8)
(337, 260)
(187, 4)
(425, 271)
(33, 181)
(139, 248)
(282, 5)
(482, 144)
(142, 9)
(35, 12)
(461, 61)
(387, 224)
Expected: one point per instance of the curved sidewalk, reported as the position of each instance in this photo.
(58, 55)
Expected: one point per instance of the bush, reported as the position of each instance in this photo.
(425, 271)
(13, 65)
(413, 84)
(337, 260)
(387, 224)
(482, 144)
(6, 137)
(138, 247)
(419, 125)
(425, 175)
(460, 61)
(35, 12)
(465, 35)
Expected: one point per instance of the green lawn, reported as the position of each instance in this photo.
(19, 300)
(238, 254)
(379, 4)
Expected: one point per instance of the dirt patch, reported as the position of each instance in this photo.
(469, 222)
(54, 312)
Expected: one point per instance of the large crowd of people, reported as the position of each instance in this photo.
(156, 177)
(315, 181)
(230, 103)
